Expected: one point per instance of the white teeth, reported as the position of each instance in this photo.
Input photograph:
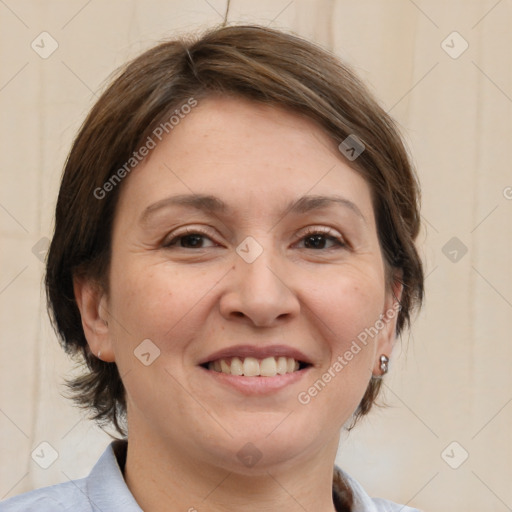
(237, 367)
(268, 367)
(282, 365)
(252, 367)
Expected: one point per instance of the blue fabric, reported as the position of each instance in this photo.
(105, 490)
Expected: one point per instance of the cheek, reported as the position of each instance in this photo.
(139, 298)
(344, 311)
(152, 300)
(346, 308)
(349, 302)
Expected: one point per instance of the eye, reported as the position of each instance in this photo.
(190, 239)
(318, 238)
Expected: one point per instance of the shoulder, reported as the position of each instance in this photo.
(363, 503)
(69, 496)
(104, 489)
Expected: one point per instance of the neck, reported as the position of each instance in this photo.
(161, 478)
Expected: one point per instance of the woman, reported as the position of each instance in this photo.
(233, 258)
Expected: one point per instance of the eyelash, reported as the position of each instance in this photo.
(328, 233)
(188, 232)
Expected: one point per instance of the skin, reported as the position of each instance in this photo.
(185, 429)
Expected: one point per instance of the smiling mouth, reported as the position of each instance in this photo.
(252, 367)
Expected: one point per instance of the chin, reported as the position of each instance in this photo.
(264, 444)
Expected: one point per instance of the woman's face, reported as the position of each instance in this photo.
(245, 245)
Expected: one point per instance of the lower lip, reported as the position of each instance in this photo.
(257, 385)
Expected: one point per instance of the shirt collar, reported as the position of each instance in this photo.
(107, 489)
(361, 501)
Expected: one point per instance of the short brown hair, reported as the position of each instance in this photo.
(257, 63)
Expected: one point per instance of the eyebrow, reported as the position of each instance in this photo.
(212, 204)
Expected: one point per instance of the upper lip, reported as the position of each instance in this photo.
(258, 352)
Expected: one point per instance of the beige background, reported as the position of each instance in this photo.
(451, 379)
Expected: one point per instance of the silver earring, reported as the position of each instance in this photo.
(99, 354)
(384, 364)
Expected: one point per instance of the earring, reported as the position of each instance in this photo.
(99, 354)
(384, 364)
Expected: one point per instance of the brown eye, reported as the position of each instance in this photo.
(315, 241)
(318, 239)
(190, 240)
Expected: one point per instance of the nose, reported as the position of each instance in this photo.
(259, 293)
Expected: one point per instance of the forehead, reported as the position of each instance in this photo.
(249, 155)
(238, 127)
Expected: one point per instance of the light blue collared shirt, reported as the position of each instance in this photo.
(105, 490)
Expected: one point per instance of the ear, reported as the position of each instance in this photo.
(92, 303)
(386, 338)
